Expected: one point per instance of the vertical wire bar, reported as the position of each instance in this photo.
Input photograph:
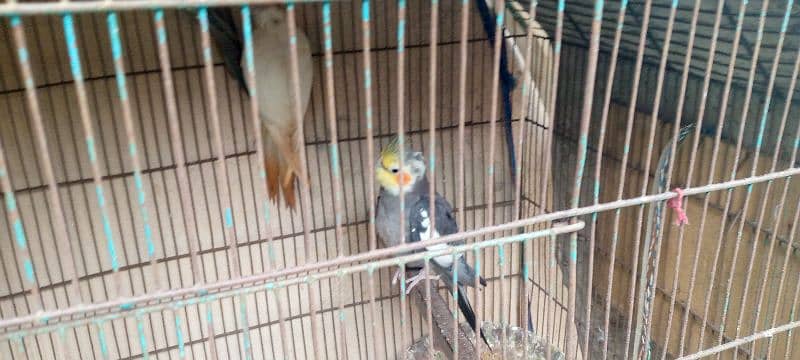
(478, 305)
(285, 343)
(501, 262)
(15, 221)
(651, 250)
(789, 250)
(57, 214)
(729, 192)
(499, 7)
(130, 133)
(373, 309)
(142, 336)
(462, 103)
(527, 96)
(247, 30)
(401, 38)
(180, 163)
(221, 171)
(428, 310)
(765, 197)
(693, 153)
(454, 292)
(598, 166)
(679, 114)
(330, 106)
(460, 182)
(551, 248)
(583, 143)
(432, 65)
(549, 157)
(101, 337)
(305, 205)
(367, 63)
(179, 333)
(792, 313)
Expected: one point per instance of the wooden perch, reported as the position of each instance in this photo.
(443, 337)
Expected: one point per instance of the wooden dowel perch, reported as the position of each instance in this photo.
(443, 337)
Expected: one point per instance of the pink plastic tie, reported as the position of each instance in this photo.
(676, 204)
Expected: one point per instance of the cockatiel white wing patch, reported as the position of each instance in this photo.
(421, 229)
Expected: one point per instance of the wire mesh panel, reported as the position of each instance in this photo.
(620, 176)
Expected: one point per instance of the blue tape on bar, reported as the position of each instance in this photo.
(148, 236)
(11, 201)
(179, 336)
(90, 149)
(142, 338)
(113, 28)
(785, 23)
(228, 218)
(598, 9)
(116, 51)
(23, 54)
(365, 10)
(367, 78)
(103, 343)
(29, 270)
(16, 21)
(72, 47)
(401, 33)
(326, 12)
(202, 15)
(561, 5)
(335, 159)
(112, 250)
(137, 179)
(101, 199)
(161, 32)
(19, 234)
(247, 30)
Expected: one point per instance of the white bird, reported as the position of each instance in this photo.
(274, 91)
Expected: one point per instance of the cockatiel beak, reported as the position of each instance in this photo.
(403, 178)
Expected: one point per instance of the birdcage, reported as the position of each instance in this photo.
(620, 173)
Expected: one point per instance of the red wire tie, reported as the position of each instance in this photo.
(676, 204)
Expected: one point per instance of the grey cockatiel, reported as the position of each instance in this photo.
(273, 87)
(411, 179)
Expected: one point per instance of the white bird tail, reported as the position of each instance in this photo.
(282, 163)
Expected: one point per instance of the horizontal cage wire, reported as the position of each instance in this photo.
(308, 180)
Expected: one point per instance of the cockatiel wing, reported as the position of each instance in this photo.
(420, 229)
(419, 223)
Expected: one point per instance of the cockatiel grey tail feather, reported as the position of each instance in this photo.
(411, 179)
(274, 88)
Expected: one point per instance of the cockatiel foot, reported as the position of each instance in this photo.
(414, 280)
